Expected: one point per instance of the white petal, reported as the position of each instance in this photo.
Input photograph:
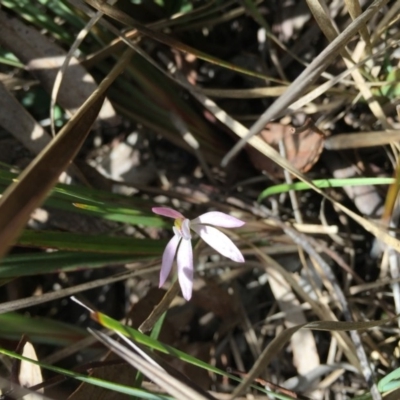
(218, 218)
(167, 212)
(168, 258)
(185, 229)
(219, 241)
(185, 268)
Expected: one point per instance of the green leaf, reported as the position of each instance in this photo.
(95, 243)
(323, 184)
(390, 381)
(143, 339)
(27, 10)
(28, 264)
(39, 330)
(95, 202)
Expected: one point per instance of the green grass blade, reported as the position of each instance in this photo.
(154, 334)
(39, 330)
(34, 15)
(141, 338)
(29, 264)
(323, 184)
(390, 381)
(8, 58)
(119, 214)
(95, 243)
(95, 202)
(62, 9)
(91, 380)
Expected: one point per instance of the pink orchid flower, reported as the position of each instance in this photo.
(182, 245)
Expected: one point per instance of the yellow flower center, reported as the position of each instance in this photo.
(178, 224)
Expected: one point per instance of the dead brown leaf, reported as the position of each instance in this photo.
(29, 374)
(24, 373)
(302, 148)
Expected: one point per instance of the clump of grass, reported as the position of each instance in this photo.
(168, 88)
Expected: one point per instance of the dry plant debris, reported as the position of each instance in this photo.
(110, 109)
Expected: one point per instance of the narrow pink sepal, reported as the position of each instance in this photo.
(218, 218)
(168, 259)
(219, 241)
(167, 212)
(185, 268)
